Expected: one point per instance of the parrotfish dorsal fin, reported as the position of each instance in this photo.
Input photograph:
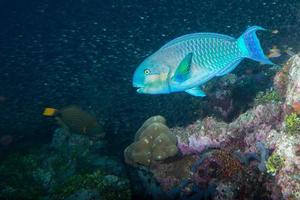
(193, 36)
(182, 72)
(196, 91)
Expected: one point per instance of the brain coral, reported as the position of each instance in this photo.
(151, 120)
(153, 142)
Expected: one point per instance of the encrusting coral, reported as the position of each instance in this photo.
(256, 156)
(153, 142)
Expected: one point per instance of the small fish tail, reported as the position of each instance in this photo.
(49, 112)
(250, 45)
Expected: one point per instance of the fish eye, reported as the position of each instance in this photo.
(147, 71)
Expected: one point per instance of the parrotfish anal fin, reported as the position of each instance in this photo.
(196, 91)
(229, 68)
(182, 72)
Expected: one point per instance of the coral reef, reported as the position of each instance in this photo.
(292, 124)
(269, 96)
(227, 97)
(196, 144)
(264, 155)
(274, 163)
(109, 187)
(71, 167)
(151, 120)
(17, 181)
(154, 142)
(256, 156)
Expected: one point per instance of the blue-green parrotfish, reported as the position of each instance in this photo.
(189, 61)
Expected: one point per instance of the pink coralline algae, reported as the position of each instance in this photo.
(196, 144)
(248, 129)
(263, 124)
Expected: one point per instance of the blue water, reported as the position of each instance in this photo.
(58, 53)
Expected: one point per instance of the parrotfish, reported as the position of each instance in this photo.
(189, 61)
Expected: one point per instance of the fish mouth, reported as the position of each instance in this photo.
(138, 86)
(140, 90)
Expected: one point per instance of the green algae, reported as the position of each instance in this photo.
(16, 172)
(292, 124)
(274, 163)
(22, 177)
(269, 96)
(92, 181)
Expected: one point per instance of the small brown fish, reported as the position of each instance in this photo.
(274, 52)
(76, 120)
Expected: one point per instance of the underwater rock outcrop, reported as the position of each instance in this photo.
(256, 156)
(153, 142)
(71, 167)
(287, 82)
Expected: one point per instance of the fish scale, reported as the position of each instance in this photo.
(192, 60)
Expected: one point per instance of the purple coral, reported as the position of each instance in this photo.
(196, 144)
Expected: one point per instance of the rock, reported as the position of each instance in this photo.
(110, 180)
(99, 147)
(70, 145)
(85, 195)
(45, 177)
(292, 102)
(59, 138)
(108, 164)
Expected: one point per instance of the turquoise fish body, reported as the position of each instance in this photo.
(189, 61)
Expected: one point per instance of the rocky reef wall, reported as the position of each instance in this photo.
(256, 156)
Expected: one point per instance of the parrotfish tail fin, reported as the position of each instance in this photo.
(249, 44)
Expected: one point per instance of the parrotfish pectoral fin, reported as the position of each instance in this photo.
(250, 46)
(182, 72)
(196, 91)
(229, 68)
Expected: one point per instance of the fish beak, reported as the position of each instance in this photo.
(140, 90)
(138, 86)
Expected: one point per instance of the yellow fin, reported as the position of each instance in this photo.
(49, 112)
